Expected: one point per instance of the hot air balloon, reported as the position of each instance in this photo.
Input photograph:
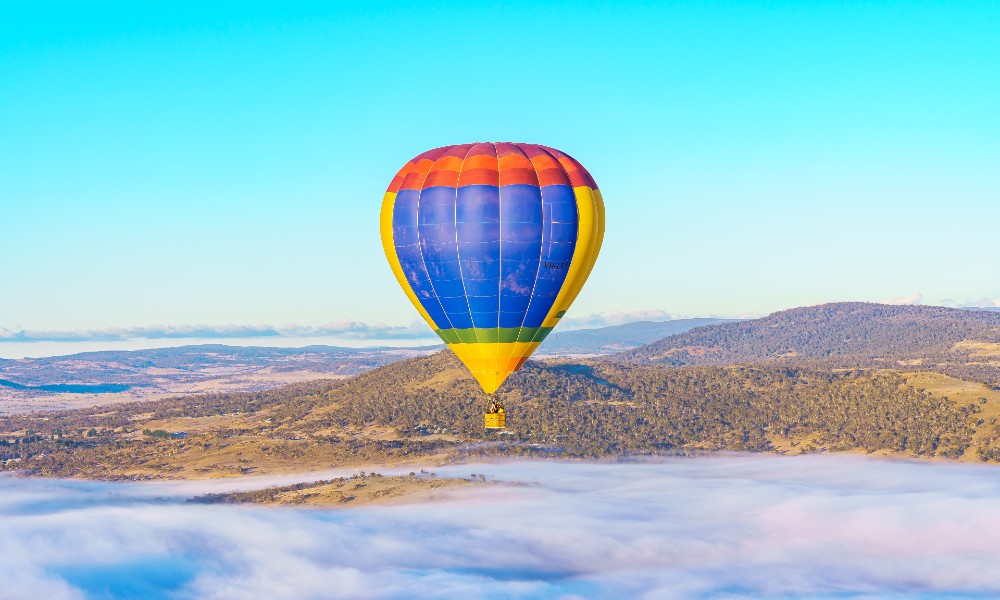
(492, 242)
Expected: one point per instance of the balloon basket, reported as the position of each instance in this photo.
(496, 420)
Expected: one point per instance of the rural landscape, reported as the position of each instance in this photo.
(500, 301)
(907, 381)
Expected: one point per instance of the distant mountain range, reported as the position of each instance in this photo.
(617, 338)
(195, 362)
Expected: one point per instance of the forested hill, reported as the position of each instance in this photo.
(850, 330)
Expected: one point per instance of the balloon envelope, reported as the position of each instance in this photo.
(492, 242)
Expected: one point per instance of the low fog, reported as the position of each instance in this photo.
(733, 526)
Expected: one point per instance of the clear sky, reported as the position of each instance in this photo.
(190, 164)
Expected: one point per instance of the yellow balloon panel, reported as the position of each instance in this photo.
(492, 363)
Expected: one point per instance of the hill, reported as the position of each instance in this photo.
(616, 338)
(429, 409)
(962, 342)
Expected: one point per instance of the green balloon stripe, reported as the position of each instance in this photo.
(503, 335)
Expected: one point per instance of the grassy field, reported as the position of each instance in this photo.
(978, 349)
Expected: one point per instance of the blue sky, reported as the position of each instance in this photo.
(183, 164)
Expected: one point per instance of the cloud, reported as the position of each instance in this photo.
(360, 330)
(735, 526)
(595, 320)
(346, 328)
(985, 302)
(913, 299)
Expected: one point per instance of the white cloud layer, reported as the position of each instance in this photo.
(348, 329)
(912, 299)
(345, 328)
(733, 527)
(985, 302)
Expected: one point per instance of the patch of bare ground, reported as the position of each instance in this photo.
(441, 381)
(693, 351)
(795, 445)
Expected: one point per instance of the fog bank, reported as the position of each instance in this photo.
(736, 526)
